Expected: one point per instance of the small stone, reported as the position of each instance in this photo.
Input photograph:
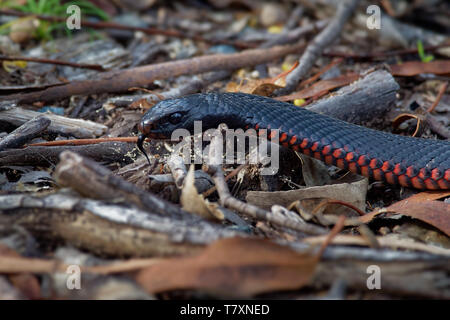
(272, 13)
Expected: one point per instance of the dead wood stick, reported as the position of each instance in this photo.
(53, 61)
(78, 128)
(122, 80)
(25, 133)
(364, 100)
(95, 181)
(228, 201)
(107, 152)
(316, 47)
(104, 228)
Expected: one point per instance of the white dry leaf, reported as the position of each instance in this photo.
(194, 203)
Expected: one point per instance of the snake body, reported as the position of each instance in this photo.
(411, 162)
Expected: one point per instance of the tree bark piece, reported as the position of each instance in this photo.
(316, 47)
(367, 99)
(107, 152)
(62, 125)
(25, 133)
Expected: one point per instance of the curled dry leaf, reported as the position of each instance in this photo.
(407, 116)
(239, 267)
(421, 206)
(353, 193)
(194, 203)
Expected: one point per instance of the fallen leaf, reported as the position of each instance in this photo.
(194, 202)
(413, 68)
(353, 193)
(421, 206)
(239, 267)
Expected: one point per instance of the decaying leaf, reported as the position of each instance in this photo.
(421, 206)
(353, 193)
(194, 202)
(239, 267)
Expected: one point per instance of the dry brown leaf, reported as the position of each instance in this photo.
(353, 193)
(413, 68)
(421, 206)
(320, 87)
(194, 202)
(239, 267)
(435, 213)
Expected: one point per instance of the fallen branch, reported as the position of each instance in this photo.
(122, 80)
(117, 26)
(78, 128)
(320, 42)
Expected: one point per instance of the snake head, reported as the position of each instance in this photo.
(160, 121)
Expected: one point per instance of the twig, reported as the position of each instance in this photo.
(228, 177)
(336, 229)
(81, 142)
(381, 54)
(152, 31)
(228, 201)
(53, 61)
(315, 49)
(439, 97)
(197, 84)
(178, 169)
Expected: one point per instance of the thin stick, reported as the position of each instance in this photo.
(113, 25)
(227, 200)
(80, 142)
(320, 42)
(53, 61)
(439, 96)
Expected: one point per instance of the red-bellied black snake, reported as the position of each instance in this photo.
(411, 162)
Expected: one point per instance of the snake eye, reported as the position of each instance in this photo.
(175, 118)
